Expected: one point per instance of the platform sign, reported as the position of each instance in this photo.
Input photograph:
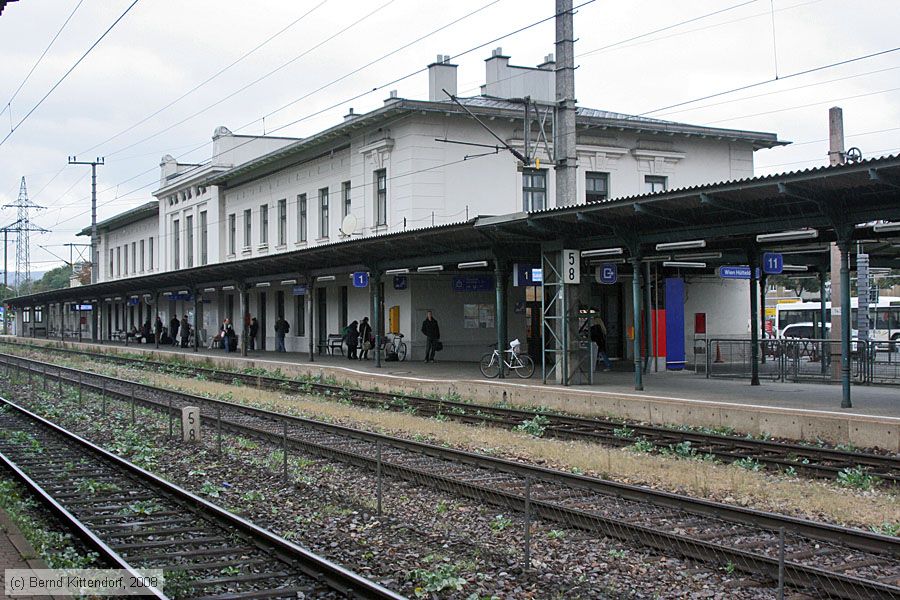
(523, 274)
(773, 263)
(300, 290)
(607, 273)
(473, 283)
(571, 268)
(80, 307)
(190, 423)
(537, 276)
(736, 272)
(401, 282)
(360, 279)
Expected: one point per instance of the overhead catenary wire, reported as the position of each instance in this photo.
(67, 73)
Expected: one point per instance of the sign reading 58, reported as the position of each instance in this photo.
(571, 266)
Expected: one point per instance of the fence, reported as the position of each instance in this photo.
(796, 360)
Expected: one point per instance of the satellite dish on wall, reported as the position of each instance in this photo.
(348, 225)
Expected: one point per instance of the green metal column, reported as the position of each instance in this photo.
(648, 317)
(198, 306)
(762, 313)
(752, 255)
(500, 276)
(310, 309)
(242, 290)
(636, 318)
(844, 247)
(375, 283)
(823, 317)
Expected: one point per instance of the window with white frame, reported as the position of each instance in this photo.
(232, 233)
(264, 225)
(596, 186)
(112, 259)
(655, 183)
(118, 261)
(381, 197)
(534, 189)
(248, 228)
(323, 213)
(204, 238)
(282, 222)
(134, 257)
(142, 256)
(125, 261)
(345, 198)
(301, 218)
(189, 230)
(176, 244)
(150, 253)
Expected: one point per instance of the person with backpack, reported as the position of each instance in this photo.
(598, 336)
(174, 324)
(432, 336)
(365, 337)
(185, 329)
(282, 328)
(352, 340)
(254, 331)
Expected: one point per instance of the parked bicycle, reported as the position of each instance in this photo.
(493, 362)
(393, 343)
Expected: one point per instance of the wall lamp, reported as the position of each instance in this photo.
(289, 282)
(430, 269)
(227, 288)
(262, 284)
(699, 256)
(681, 264)
(886, 227)
(476, 264)
(681, 245)
(795, 268)
(396, 271)
(209, 290)
(783, 236)
(602, 252)
(325, 278)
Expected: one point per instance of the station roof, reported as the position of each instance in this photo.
(727, 216)
(133, 215)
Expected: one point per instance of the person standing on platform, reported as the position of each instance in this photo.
(598, 336)
(365, 338)
(158, 328)
(174, 324)
(432, 335)
(282, 328)
(352, 340)
(185, 332)
(254, 331)
(229, 337)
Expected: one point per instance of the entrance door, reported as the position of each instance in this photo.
(322, 315)
(261, 318)
(533, 322)
(610, 305)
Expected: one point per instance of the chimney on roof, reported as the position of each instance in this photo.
(441, 76)
(350, 115)
(392, 97)
(549, 63)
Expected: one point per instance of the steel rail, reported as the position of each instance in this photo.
(796, 573)
(335, 576)
(806, 460)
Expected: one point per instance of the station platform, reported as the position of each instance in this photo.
(800, 411)
(16, 553)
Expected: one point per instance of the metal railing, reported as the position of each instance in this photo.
(800, 359)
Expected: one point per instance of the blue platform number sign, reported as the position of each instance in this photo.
(773, 263)
(360, 279)
(608, 273)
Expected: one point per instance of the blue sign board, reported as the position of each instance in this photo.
(401, 282)
(608, 273)
(537, 276)
(80, 307)
(473, 283)
(361, 279)
(300, 290)
(773, 263)
(524, 274)
(736, 272)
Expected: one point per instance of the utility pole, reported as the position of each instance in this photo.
(565, 157)
(95, 243)
(836, 156)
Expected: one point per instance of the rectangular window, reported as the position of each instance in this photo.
(300, 316)
(125, 262)
(534, 189)
(381, 197)
(345, 198)
(189, 229)
(232, 233)
(323, 213)
(38, 314)
(248, 228)
(142, 256)
(112, 260)
(204, 238)
(118, 261)
(134, 257)
(282, 222)
(26, 315)
(654, 183)
(264, 225)
(301, 218)
(176, 244)
(150, 252)
(596, 186)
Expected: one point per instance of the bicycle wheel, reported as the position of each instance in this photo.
(490, 365)
(401, 351)
(525, 368)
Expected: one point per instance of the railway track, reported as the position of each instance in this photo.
(135, 521)
(830, 560)
(805, 460)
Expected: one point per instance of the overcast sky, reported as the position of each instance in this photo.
(164, 48)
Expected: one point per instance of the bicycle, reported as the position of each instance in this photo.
(393, 342)
(493, 362)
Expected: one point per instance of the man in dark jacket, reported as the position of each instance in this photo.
(254, 331)
(281, 329)
(365, 338)
(185, 329)
(432, 334)
(174, 324)
(158, 328)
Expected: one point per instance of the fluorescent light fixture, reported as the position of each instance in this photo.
(183, 291)
(886, 227)
(118, 298)
(134, 297)
(430, 268)
(475, 264)
(325, 278)
(289, 282)
(783, 236)
(227, 288)
(396, 271)
(167, 293)
(809, 250)
(795, 268)
(699, 256)
(681, 245)
(657, 258)
(608, 261)
(602, 252)
(681, 264)
(262, 284)
(209, 289)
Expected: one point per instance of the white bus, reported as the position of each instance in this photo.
(884, 317)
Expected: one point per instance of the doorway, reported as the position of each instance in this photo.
(607, 300)
(533, 322)
(261, 318)
(321, 315)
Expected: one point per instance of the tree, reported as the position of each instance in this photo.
(53, 279)
(798, 285)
